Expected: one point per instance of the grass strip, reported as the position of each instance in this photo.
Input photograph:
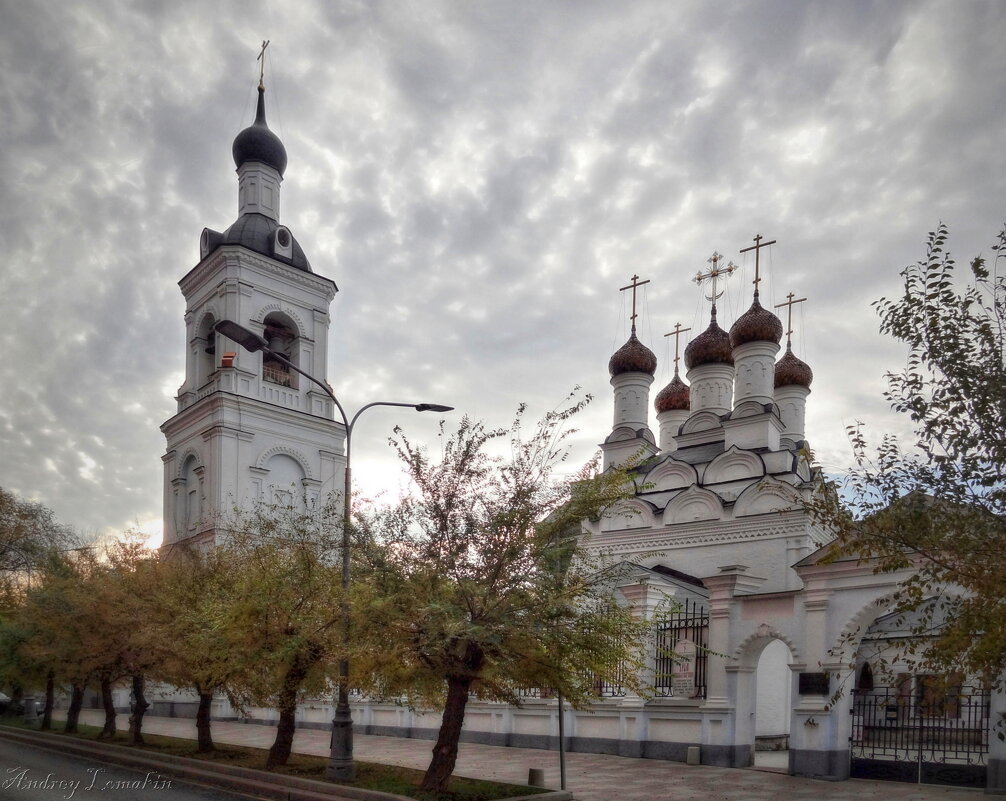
(369, 775)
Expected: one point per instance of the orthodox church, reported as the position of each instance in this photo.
(771, 642)
(247, 427)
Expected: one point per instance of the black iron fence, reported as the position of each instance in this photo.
(682, 653)
(924, 731)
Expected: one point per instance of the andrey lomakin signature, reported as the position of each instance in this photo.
(18, 779)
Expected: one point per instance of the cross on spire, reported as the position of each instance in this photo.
(676, 333)
(756, 247)
(261, 58)
(790, 303)
(713, 275)
(633, 286)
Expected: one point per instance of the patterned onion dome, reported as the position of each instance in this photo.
(712, 346)
(258, 143)
(632, 357)
(757, 324)
(674, 397)
(790, 371)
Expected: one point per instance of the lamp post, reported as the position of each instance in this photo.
(340, 764)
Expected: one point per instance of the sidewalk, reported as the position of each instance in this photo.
(591, 777)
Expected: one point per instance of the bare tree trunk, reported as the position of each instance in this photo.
(50, 698)
(108, 731)
(445, 752)
(287, 706)
(204, 740)
(73, 713)
(140, 706)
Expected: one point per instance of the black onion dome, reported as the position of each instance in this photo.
(790, 371)
(632, 357)
(258, 143)
(712, 346)
(757, 324)
(255, 232)
(674, 397)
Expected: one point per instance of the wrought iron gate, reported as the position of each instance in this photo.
(912, 733)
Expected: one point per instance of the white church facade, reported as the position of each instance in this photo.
(248, 428)
(771, 634)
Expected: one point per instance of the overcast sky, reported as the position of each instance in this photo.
(479, 179)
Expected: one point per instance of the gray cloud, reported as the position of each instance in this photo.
(479, 179)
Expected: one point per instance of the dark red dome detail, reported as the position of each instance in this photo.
(757, 324)
(712, 346)
(674, 397)
(790, 371)
(632, 357)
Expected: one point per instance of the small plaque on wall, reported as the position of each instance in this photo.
(813, 684)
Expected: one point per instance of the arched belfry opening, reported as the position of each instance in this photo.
(206, 350)
(281, 334)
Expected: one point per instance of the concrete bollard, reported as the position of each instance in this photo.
(693, 757)
(536, 777)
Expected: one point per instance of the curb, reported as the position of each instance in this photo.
(229, 777)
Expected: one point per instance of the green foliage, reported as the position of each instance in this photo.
(477, 583)
(940, 507)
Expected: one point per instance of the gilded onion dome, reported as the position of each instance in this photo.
(790, 371)
(674, 397)
(757, 324)
(632, 357)
(712, 346)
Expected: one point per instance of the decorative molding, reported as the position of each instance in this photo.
(671, 474)
(733, 464)
(180, 464)
(722, 532)
(767, 496)
(765, 632)
(264, 311)
(693, 505)
(286, 450)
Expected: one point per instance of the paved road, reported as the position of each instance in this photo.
(28, 773)
(592, 777)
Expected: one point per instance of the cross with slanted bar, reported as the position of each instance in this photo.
(789, 316)
(261, 70)
(756, 247)
(676, 333)
(633, 286)
(713, 274)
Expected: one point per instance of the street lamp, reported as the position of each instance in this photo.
(340, 763)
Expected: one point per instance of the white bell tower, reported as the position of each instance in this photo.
(247, 428)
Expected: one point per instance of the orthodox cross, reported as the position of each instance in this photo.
(713, 274)
(633, 286)
(789, 316)
(261, 70)
(756, 247)
(676, 333)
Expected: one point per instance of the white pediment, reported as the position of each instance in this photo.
(670, 474)
(768, 495)
(692, 505)
(627, 515)
(733, 465)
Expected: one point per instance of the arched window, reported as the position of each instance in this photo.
(282, 336)
(865, 681)
(206, 351)
(286, 477)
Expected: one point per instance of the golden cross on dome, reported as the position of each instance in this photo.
(261, 57)
(713, 275)
(676, 333)
(756, 247)
(789, 316)
(633, 286)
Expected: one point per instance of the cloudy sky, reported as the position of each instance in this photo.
(479, 178)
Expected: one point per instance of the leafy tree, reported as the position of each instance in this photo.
(940, 507)
(191, 587)
(28, 531)
(478, 584)
(278, 619)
